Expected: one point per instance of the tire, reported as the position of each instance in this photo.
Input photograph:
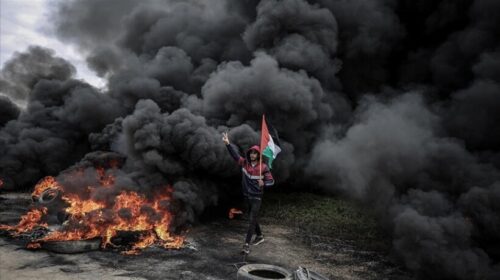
(263, 272)
(72, 246)
(48, 196)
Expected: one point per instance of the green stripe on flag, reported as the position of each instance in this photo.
(271, 151)
(269, 154)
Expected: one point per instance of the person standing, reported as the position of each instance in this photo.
(255, 175)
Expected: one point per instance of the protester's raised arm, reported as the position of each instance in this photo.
(233, 151)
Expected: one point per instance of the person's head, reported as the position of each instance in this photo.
(253, 153)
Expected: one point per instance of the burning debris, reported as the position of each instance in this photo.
(233, 212)
(29, 222)
(83, 216)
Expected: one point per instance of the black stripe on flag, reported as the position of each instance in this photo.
(273, 132)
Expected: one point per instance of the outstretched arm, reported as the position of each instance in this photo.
(233, 151)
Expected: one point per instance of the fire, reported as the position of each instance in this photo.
(145, 241)
(106, 180)
(130, 212)
(233, 212)
(88, 217)
(33, 246)
(81, 207)
(1, 183)
(46, 183)
(28, 222)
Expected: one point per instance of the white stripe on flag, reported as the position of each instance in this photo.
(274, 148)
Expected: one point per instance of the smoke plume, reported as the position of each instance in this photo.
(392, 103)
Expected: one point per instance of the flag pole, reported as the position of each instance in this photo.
(260, 167)
(260, 155)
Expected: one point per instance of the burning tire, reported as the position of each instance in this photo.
(73, 246)
(263, 272)
(48, 196)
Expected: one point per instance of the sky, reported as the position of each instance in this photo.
(26, 22)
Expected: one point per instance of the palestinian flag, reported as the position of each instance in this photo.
(269, 142)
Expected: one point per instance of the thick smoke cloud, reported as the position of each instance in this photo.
(8, 110)
(236, 93)
(426, 219)
(369, 33)
(203, 30)
(90, 23)
(21, 73)
(475, 126)
(299, 35)
(294, 101)
(392, 103)
(50, 134)
(175, 143)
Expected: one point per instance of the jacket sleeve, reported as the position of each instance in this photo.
(233, 151)
(268, 177)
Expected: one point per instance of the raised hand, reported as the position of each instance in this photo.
(225, 138)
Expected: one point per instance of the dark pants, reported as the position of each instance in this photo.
(253, 207)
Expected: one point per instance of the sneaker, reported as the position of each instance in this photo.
(246, 249)
(258, 239)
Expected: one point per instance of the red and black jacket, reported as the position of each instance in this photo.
(251, 174)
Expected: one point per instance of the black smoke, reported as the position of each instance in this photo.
(10, 111)
(21, 73)
(51, 132)
(392, 103)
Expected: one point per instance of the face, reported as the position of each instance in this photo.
(254, 155)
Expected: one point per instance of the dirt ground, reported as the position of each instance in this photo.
(212, 253)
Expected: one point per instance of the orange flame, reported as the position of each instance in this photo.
(80, 207)
(129, 213)
(90, 218)
(145, 241)
(28, 222)
(105, 179)
(34, 245)
(1, 183)
(46, 183)
(233, 212)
